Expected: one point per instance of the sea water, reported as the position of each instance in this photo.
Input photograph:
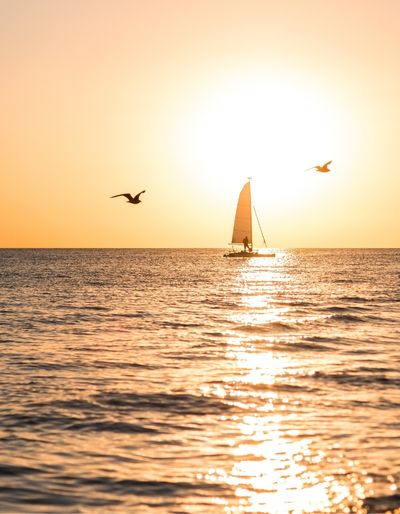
(177, 381)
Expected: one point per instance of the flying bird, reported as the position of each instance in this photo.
(131, 199)
(323, 169)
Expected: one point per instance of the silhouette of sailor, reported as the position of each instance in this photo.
(246, 244)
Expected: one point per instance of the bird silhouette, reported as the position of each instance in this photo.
(323, 169)
(131, 199)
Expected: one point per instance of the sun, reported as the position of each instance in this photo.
(270, 128)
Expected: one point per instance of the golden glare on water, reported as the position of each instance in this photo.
(275, 472)
(277, 465)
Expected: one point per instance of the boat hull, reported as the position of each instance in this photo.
(248, 255)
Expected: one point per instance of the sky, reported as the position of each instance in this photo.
(186, 99)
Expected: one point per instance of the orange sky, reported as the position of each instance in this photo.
(186, 99)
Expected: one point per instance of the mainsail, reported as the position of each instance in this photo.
(242, 227)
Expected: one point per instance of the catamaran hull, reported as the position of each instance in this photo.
(248, 255)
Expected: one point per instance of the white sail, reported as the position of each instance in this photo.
(242, 227)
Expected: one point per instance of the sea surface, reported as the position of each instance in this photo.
(177, 381)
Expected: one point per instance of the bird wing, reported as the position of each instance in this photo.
(326, 164)
(127, 195)
(137, 196)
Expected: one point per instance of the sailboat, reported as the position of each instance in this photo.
(243, 229)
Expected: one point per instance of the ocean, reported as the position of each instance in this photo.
(177, 381)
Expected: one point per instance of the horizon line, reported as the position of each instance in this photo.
(194, 248)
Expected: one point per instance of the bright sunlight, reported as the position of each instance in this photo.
(268, 128)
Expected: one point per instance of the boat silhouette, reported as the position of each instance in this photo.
(243, 228)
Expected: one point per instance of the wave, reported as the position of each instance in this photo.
(103, 492)
(50, 421)
(308, 346)
(13, 470)
(220, 304)
(321, 339)
(178, 403)
(148, 487)
(378, 381)
(138, 314)
(346, 316)
(380, 504)
(123, 365)
(109, 426)
(84, 307)
(93, 415)
(341, 309)
(372, 300)
(40, 365)
(273, 326)
(176, 324)
(284, 387)
(380, 404)
(35, 498)
(355, 299)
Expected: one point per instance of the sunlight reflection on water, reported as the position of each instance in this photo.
(277, 467)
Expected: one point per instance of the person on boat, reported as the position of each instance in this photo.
(246, 244)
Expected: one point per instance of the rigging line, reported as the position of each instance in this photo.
(258, 221)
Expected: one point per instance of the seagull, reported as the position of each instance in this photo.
(131, 199)
(323, 169)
